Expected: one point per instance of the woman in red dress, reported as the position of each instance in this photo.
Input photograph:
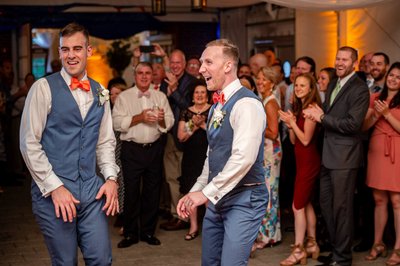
(303, 134)
(383, 161)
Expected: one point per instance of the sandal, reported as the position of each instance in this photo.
(378, 249)
(298, 255)
(312, 248)
(394, 261)
(191, 236)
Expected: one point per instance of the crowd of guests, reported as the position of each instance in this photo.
(325, 132)
(314, 149)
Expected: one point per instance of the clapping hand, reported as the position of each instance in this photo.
(381, 108)
(148, 116)
(287, 117)
(172, 82)
(198, 120)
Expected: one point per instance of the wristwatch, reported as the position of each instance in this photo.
(113, 178)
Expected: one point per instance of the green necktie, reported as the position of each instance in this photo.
(335, 92)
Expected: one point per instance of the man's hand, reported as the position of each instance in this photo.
(64, 202)
(110, 190)
(158, 50)
(189, 203)
(148, 116)
(172, 82)
(313, 112)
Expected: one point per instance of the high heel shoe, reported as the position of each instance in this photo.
(312, 248)
(378, 249)
(298, 255)
(392, 261)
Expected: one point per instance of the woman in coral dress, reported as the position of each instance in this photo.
(303, 134)
(383, 172)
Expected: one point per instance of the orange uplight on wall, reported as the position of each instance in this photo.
(98, 69)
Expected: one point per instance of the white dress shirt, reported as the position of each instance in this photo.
(248, 121)
(128, 104)
(33, 123)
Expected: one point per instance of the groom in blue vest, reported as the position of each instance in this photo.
(66, 129)
(232, 182)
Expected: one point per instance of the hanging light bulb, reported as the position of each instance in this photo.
(158, 7)
(199, 5)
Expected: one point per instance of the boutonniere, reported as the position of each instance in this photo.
(218, 117)
(104, 95)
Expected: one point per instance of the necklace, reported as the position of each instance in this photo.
(197, 111)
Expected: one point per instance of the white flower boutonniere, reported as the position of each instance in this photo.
(218, 117)
(104, 95)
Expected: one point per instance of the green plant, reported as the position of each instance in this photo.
(119, 56)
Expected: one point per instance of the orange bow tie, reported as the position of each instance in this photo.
(219, 98)
(83, 85)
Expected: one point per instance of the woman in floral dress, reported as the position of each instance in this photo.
(270, 229)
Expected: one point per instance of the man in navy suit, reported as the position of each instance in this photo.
(66, 130)
(232, 180)
(342, 116)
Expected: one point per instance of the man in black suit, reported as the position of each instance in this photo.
(342, 117)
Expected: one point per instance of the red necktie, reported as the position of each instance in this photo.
(83, 85)
(156, 87)
(219, 98)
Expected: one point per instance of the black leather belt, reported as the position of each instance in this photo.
(144, 145)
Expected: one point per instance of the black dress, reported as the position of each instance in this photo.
(194, 153)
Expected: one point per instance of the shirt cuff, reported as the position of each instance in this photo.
(212, 193)
(162, 130)
(109, 172)
(49, 184)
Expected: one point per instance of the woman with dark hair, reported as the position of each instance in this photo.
(325, 76)
(248, 82)
(192, 132)
(303, 134)
(383, 166)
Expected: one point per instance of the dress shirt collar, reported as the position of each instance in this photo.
(345, 79)
(233, 87)
(67, 77)
(136, 89)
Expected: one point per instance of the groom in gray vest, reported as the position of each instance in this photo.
(232, 182)
(66, 129)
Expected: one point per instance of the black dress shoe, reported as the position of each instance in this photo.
(362, 246)
(127, 242)
(151, 240)
(325, 259)
(332, 263)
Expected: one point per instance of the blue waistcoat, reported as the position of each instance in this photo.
(220, 143)
(68, 141)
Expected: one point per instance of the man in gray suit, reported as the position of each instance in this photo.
(342, 116)
(66, 131)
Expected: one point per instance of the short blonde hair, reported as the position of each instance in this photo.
(229, 49)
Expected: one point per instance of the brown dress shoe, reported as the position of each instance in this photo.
(175, 225)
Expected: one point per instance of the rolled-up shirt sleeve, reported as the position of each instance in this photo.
(248, 123)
